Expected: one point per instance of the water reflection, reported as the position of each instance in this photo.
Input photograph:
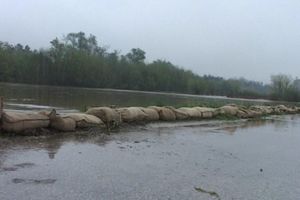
(126, 164)
(52, 143)
(231, 129)
(279, 122)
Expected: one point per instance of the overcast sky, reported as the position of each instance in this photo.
(229, 38)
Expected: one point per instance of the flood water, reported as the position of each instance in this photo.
(35, 97)
(185, 160)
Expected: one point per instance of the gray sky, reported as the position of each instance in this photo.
(232, 38)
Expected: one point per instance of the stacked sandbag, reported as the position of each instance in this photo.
(132, 114)
(192, 113)
(61, 123)
(248, 113)
(293, 110)
(108, 115)
(230, 110)
(290, 110)
(180, 114)
(264, 110)
(241, 113)
(98, 116)
(297, 109)
(282, 109)
(206, 112)
(151, 114)
(165, 114)
(21, 121)
(268, 110)
(84, 120)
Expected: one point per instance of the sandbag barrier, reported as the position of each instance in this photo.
(107, 117)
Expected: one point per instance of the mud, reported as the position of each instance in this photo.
(239, 159)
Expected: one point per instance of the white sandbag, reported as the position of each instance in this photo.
(132, 114)
(165, 114)
(106, 114)
(85, 120)
(151, 114)
(21, 121)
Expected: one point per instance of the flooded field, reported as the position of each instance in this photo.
(34, 97)
(187, 160)
(243, 159)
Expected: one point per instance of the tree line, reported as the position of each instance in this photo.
(78, 60)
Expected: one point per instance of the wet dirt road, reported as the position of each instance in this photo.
(194, 160)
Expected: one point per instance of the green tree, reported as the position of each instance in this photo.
(281, 84)
(136, 55)
(79, 60)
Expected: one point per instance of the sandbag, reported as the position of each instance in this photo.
(180, 115)
(206, 112)
(61, 123)
(264, 110)
(131, 114)
(85, 120)
(106, 114)
(297, 109)
(248, 113)
(191, 112)
(21, 121)
(228, 110)
(281, 109)
(151, 114)
(165, 114)
(243, 114)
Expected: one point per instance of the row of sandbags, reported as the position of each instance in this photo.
(13, 121)
(112, 117)
(115, 116)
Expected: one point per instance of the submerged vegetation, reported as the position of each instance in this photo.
(78, 60)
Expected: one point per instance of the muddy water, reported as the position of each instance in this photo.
(35, 97)
(189, 160)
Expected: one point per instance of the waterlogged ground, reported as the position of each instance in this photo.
(189, 160)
